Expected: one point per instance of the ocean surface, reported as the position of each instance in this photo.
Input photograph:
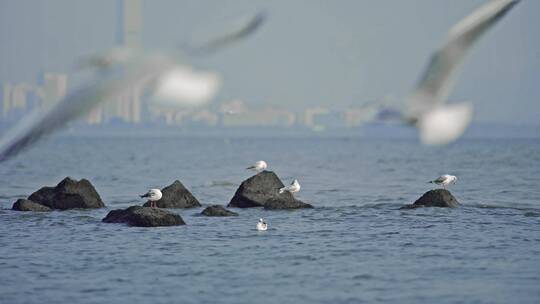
(354, 247)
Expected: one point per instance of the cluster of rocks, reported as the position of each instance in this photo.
(260, 190)
(68, 194)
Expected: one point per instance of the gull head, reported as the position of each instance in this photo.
(444, 123)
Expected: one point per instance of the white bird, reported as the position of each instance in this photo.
(437, 122)
(262, 225)
(153, 196)
(444, 180)
(292, 188)
(123, 71)
(258, 166)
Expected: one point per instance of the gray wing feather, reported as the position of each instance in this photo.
(438, 79)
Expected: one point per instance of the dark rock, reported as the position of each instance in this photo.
(68, 194)
(274, 204)
(176, 196)
(262, 189)
(144, 217)
(26, 205)
(218, 210)
(435, 198)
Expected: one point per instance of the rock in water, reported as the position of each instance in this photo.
(68, 194)
(435, 198)
(144, 217)
(176, 196)
(218, 210)
(261, 190)
(276, 204)
(26, 205)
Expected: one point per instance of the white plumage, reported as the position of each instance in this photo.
(444, 180)
(262, 225)
(153, 195)
(258, 166)
(439, 123)
(292, 188)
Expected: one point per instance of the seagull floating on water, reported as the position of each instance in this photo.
(262, 225)
(153, 196)
(444, 180)
(258, 166)
(292, 188)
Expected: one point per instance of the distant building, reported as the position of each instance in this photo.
(355, 117)
(127, 108)
(236, 114)
(53, 88)
(6, 99)
(310, 117)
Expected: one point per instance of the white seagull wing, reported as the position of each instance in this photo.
(438, 79)
(74, 105)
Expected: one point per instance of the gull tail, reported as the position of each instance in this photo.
(250, 167)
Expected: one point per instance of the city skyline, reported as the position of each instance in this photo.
(498, 76)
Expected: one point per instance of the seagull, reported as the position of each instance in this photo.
(153, 196)
(258, 166)
(262, 225)
(292, 188)
(439, 123)
(444, 180)
(120, 71)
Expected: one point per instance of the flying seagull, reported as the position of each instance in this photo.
(444, 180)
(439, 123)
(119, 71)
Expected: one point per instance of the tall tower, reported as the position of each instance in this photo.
(127, 106)
(129, 23)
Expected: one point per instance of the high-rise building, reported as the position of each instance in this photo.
(129, 23)
(126, 107)
(54, 87)
(6, 99)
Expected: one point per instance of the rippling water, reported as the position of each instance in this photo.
(355, 246)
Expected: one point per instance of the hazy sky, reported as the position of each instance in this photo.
(334, 53)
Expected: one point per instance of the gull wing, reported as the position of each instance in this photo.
(76, 104)
(226, 39)
(438, 79)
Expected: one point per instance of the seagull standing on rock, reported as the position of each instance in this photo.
(153, 196)
(292, 188)
(444, 180)
(262, 225)
(258, 166)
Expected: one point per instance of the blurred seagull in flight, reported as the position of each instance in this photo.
(262, 225)
(121, 71)
(153, 196)
(439, 123)
(444, 180)
(292, 188)
(258, 166)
